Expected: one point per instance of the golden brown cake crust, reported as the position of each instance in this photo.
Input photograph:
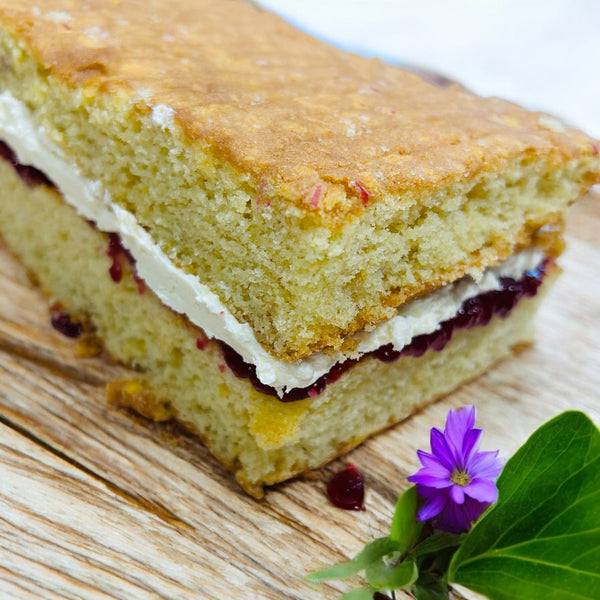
(328, 130)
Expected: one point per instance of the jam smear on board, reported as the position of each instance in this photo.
(346, 489)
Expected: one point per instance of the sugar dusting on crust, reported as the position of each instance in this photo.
(96, 33)
(143, 94)
(552, 124)
(58, 16)
(163, 116)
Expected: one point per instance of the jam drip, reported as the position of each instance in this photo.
(475, 312)
(118, 254)
(29, 175)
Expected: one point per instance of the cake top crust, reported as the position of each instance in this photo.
(328, 130)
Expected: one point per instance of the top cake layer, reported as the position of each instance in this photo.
(312, 190)
(326, 129)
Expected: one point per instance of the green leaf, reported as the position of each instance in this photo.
(340, 571)
(393, 576)
(359, 594)
(542, 538)
(440, 540)
(371, 553)
(430, 587)
(405, 527)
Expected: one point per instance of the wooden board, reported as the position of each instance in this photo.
(98, 503)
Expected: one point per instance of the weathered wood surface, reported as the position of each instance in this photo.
(97, 503)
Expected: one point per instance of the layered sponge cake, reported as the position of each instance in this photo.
(294, 247)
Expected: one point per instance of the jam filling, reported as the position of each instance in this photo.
(118, 254)
(29, 175)
(475, 312)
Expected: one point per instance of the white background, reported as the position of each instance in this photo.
(543, 54)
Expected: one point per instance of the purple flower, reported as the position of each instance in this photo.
(457, 482)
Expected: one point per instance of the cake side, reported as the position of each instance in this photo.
(181, 374)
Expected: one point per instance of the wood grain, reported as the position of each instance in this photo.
(98, 503)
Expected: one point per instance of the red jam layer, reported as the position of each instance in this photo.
(118, 254)
(30, 175)
(475, 312)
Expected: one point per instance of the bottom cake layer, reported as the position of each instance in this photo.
(180, 374)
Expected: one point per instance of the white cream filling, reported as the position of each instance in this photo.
(184, 292)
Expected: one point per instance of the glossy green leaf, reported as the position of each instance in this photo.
(394, 576)
(359, 594)
(542, 538)
(371, 553)
(440, 540)
(405, 527)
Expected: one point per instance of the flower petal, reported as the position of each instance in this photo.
(433, 464)
(440, 448)
(457, 425)
(485, 465)
(433, 506)
(426, 478)
(427, 492)
(457, 518)
(482, 490)
(430, 461)
(470, 445)
(457, 494)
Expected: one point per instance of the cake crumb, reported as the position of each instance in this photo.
(131, 393)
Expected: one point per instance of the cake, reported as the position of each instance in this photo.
(292, 246)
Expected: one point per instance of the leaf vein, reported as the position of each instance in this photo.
(502, 576)
(570, 506)
(517, 522)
